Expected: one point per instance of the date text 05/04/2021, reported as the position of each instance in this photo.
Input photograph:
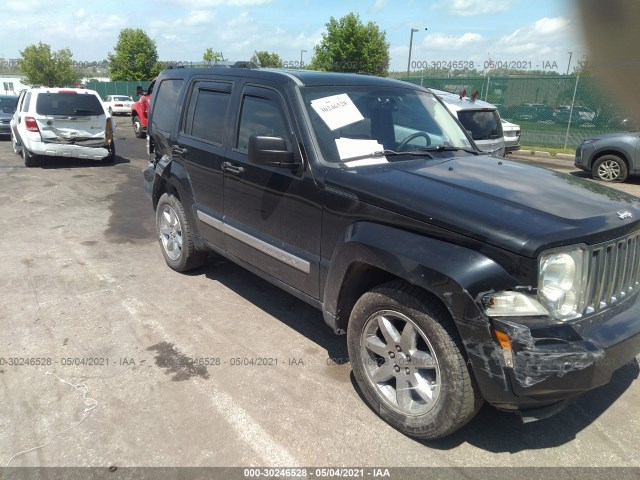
(14, 361)
(486, 64)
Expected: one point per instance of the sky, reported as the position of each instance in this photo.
(539, 34)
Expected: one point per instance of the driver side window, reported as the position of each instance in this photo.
(260, 116)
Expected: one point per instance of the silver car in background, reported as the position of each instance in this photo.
(611, 157)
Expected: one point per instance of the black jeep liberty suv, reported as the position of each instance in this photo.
(458, 277)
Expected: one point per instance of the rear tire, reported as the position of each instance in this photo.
(174, 235)
(112, 153)
(137, 127)
(30, 160)
(409, 362)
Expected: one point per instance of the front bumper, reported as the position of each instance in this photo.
(584, 153)
(552, 362)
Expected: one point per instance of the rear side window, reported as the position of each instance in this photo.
(207, 113)
(26, 103)
(68, 104)
(166, 104)
(483, 124)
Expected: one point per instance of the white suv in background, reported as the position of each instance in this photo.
(62, 122)
(480, 119)
(512, 135)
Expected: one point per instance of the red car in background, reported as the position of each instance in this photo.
(140, 110)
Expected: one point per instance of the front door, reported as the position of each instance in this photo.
(272, 215)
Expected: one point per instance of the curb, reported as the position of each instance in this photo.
(545, 155)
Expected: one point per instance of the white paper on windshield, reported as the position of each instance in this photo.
(337, 111)
(350, 148)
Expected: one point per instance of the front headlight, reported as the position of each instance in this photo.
(561, 282)
(512, 304)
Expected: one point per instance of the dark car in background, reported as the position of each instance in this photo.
(7, 107)
(611, 157)
(580, 116)
(535, 112)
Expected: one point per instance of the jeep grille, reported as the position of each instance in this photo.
(614, 272)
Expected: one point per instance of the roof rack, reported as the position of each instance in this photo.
(222, 64)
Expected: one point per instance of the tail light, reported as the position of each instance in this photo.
(31, 124)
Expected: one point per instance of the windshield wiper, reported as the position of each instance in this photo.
(388, 153)
(449, 148)
(85, 110)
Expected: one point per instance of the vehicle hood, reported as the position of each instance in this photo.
(517, 207)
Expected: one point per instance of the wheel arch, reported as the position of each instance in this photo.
(373, 254)
(171, 176)
(610, 151)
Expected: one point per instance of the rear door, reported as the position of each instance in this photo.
(199, 146)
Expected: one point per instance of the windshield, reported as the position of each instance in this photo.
(358, 121)
(121, 98)
(68, 104)
(483, 124)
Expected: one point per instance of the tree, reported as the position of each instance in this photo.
(43, 67)
(350, 46)
(135, 56)
(266, 60)
(210, 56)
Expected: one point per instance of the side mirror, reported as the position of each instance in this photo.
(139, 91)
(270, 151)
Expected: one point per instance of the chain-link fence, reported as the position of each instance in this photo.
(553, 112)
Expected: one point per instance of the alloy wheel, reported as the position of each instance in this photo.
(400, 363)
(171, 232)
(609, 170)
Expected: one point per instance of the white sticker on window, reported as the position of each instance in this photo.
(337, 111)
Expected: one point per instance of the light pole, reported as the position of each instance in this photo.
(570, 55)
(413, 30)
(301, 52)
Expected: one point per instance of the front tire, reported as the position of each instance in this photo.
(174, 235)
(409, 362)
(17, 149)
(137, 127)
(610, 168)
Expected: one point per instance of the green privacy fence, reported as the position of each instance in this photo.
(555, 111)
(116, 88)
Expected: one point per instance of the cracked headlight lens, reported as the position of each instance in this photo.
(561, 282)
(512, 304)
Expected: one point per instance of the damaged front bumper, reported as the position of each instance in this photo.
(544, 363)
